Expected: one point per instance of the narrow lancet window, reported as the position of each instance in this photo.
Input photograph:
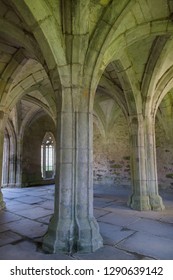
(47, 156)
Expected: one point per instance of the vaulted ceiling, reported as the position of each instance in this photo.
(133, 39)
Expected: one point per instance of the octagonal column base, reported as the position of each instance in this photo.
(156, 202)
(139, 202)
(66, 237)
(2, 203)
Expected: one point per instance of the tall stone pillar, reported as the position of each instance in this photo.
(2, 203)
(5, 174)
(139, 199)
(12, 170)
(151, 166)
(73, 226)
(19, 162)
(89, 238)
(44, 162)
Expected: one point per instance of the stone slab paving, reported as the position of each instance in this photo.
(101, 202)
(167, 219)
(153, 227)
(107, 253)
(9, 237)
(30, 199)
(121, 209)
(154, 215)
(28, 228)
(41, 193)
(99, 213)
(118, 219)
(6, 217)
(148, 245)
(14, 190)
(12, 195)
(47, 196)
(34, 213)
(18, 207)
(15, 252)
(48, 204)
(44, 220)
(113, 234)
(127, 234)
(3, 228)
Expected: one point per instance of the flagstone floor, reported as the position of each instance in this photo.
(127, 234)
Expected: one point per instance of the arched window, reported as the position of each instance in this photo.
(48, 156)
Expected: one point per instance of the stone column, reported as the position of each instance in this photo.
(19, 163)
(151, 166)
(139, 199)
(2, 203)
(73, 226)
(44, 161)
(12, 170)
(5, 174)
(88, 233)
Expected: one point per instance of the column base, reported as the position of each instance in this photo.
(89, 239)
(66, 237)
(156, 202)
(2, 203)
(139, 202)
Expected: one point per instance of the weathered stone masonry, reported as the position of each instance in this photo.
(78, 64)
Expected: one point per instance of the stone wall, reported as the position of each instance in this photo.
(112, 155)
(164, 150)
(31, 163)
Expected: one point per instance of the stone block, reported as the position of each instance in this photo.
(35, 213)
(30, 199)
(113, 234)
(140, 32)
(49, 204)
(44, 220)
(8, 237)
(12, 195)
(145, 8)
(118, 219)
(26, 251)
(28, 228)
(148, 245)
(18, 207)
(6, 217)
(156, 228)
(3, 228)
(107, 253)
(137, 12)
(99, 213)
(158, 13)
(158, 27)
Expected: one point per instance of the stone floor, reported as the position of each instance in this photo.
(127, 234)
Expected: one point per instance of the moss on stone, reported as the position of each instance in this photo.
(126, 158)
(116, 166)
(116, 173)
(127, 170)
(170, 175)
